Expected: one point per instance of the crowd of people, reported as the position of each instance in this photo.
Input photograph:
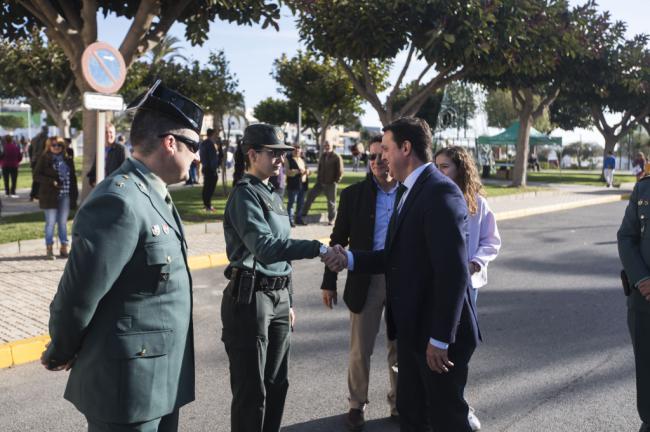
(420, 236)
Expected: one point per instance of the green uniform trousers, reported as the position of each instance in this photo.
(639, 325)
(168, 423)
(257, 338)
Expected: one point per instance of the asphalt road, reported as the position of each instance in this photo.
(556, 353)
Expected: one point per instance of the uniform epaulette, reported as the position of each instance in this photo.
(243, 181)
(119, 182)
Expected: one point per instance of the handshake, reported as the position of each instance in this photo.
(336, 258)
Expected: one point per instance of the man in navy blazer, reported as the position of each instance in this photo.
(427, 282)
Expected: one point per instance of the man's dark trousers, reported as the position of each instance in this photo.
(168, 423)
(257, 339)
(209, 185)
(416, 385)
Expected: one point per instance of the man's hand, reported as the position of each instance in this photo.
(437, 359)
(292, 318)
(644, 289)
(329, 298)
(335, 258)
(49, 366)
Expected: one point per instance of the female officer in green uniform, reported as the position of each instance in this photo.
(256, 307)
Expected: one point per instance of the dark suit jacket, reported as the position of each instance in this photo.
(354, 227)
(114, 159)
(425, 263)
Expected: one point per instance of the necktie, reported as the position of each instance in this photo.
(401, 189)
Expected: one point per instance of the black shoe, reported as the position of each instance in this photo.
(645, 427)
(394, 418)
(355, 420)
(293, 225)
(301, 222)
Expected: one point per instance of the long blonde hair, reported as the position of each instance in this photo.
(468, 179)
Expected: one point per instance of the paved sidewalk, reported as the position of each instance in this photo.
(28, 282)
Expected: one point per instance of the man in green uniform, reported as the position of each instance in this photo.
(634, 251)
(121, 319)
(256, 307)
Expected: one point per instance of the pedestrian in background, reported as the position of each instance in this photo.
(36, 148)
(484, 241)
(114, 155)
(58, 192)
(638, 166)
(256, 307)
(297, 184)
(121, 319)
(209, 168)
(9, 163)
(365, 209)
(330, 172)
(609, 165)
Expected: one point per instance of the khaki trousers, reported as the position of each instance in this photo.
(364, 327)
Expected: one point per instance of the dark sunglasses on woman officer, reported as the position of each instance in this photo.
(273, 152)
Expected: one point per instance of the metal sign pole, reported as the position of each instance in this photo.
(99, 156)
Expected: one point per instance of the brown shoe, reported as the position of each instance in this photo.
(63, 253)
(355, 420)
(49, 254)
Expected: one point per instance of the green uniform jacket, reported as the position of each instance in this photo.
(124, 304)
(256, 224)
(634, 242)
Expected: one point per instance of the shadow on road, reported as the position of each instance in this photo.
(337, 423)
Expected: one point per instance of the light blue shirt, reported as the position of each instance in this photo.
(383, 211)
(409, 182)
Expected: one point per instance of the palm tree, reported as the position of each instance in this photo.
(167, 49)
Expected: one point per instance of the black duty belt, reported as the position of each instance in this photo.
(262, 282)
(267, 283)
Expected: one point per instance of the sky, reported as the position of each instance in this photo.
(251, 52)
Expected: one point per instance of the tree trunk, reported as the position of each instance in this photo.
(89, 122)
(62, 120)
(521, 158)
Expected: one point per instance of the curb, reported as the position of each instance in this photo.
(27, 350)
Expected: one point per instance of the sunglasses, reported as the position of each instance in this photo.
(192, 145)
(56, 145)
(275, 153)
(373, 156)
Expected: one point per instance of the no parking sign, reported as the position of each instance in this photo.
(103, 67)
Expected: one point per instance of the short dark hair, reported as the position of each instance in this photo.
(209, 132)
(375, 139)
(146, 128)
(417, 132)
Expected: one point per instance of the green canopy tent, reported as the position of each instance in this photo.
(509, 137)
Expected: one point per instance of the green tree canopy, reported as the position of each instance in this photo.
(11, 122)
(615, 78)
(72, 24)
(364, 36)
(534, 45)
(320, 86)
(501, 112)
(39, 71)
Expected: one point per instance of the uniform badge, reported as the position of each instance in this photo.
(165, 229)
(155, 230)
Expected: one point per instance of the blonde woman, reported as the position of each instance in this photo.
(58, 192)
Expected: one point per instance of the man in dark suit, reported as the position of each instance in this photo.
(427, 282)
(121, 319)
(114, 155)
(362, 221)
(210, 161)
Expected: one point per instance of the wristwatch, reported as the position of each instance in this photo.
(322, 250)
